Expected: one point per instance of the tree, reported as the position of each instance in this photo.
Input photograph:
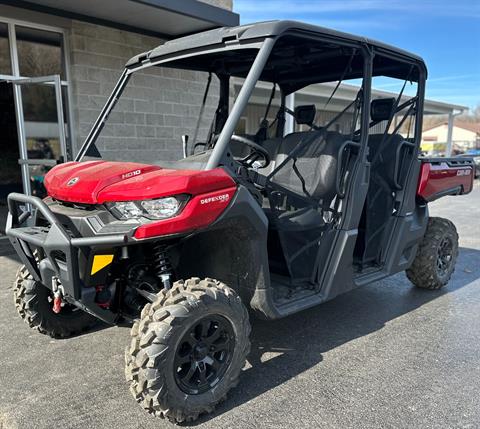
(472, 115)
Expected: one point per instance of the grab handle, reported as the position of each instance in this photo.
(341, 150)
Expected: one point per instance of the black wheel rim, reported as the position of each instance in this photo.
(444, 256)
(204, 354)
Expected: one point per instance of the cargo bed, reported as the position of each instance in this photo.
(445, 176)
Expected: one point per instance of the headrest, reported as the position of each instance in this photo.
(305, 114)
(381, 109)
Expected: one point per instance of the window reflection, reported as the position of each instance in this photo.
(39, 52)
(5, 60)
(41, 121)
(37, 176)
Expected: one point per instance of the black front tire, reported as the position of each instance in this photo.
(161, 337)
(32, 303)
(436, 256)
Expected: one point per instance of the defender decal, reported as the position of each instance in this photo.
(221, 198)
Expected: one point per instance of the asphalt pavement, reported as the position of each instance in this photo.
(387, 355)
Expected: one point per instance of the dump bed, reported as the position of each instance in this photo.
(445, 176)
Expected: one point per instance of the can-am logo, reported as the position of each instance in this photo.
(465, 172)
(222, 198)
(72, 181)
(131, 174)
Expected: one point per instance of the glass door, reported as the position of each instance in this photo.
(41, 129)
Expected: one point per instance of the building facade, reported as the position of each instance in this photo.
(59, 61)
(465, 136)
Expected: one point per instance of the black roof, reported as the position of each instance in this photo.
(305, 54)
(261, 30)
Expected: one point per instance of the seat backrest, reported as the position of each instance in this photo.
(305, 114)
(387, 160)
(317, 164)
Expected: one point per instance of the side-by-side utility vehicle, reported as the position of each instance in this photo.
(308, 203)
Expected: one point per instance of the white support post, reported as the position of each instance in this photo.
(289, 119)
(448, 152)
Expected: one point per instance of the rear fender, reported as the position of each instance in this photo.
(444, 176)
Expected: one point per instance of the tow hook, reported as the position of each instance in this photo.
(57, 296)
(57, 302)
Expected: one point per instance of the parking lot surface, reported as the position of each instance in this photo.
(385, 355)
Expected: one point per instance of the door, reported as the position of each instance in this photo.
(10, 174)
(41, 129)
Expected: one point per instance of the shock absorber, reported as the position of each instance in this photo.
(163, 268)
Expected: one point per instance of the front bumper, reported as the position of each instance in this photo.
(59, 250)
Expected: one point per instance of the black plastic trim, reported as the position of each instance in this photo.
(457, 190)
(51, 240)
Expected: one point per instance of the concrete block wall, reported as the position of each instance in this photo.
(159, 104)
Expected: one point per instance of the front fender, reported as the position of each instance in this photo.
(234, 250)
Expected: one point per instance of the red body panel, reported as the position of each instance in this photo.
(98, 182)
(199, 212)
(438, 178)
(163, 183)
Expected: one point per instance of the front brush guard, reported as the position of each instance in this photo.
(61, 251)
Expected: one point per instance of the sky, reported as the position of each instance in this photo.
(446, 33)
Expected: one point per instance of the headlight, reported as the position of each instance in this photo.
(126, 210)
(161, 208)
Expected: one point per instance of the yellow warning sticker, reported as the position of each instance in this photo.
(100, 262)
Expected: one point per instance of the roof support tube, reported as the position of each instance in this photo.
(100, 122)
(221, 146)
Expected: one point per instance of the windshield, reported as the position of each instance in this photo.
(163, 105)
(157, 107)
(183, 113)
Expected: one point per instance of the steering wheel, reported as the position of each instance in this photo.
(258, 152)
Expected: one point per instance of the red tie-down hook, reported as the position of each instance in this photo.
(57, 302)
(57, 295)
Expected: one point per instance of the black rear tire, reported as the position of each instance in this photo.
(32, 303)
(188, 349)
(436, 256)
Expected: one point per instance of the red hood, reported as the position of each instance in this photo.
(95, 182)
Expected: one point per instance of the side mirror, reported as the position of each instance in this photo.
(185, 145)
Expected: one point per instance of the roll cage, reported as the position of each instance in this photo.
(252, 53)
(305, 190)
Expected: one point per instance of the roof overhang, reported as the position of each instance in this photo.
(433, 107)
(160, 18)
(320, 93)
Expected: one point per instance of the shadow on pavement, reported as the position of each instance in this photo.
(285, 348)
(297, 342)
(6, 249)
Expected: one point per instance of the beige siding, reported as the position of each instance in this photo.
(462, 139)
(440, 134)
